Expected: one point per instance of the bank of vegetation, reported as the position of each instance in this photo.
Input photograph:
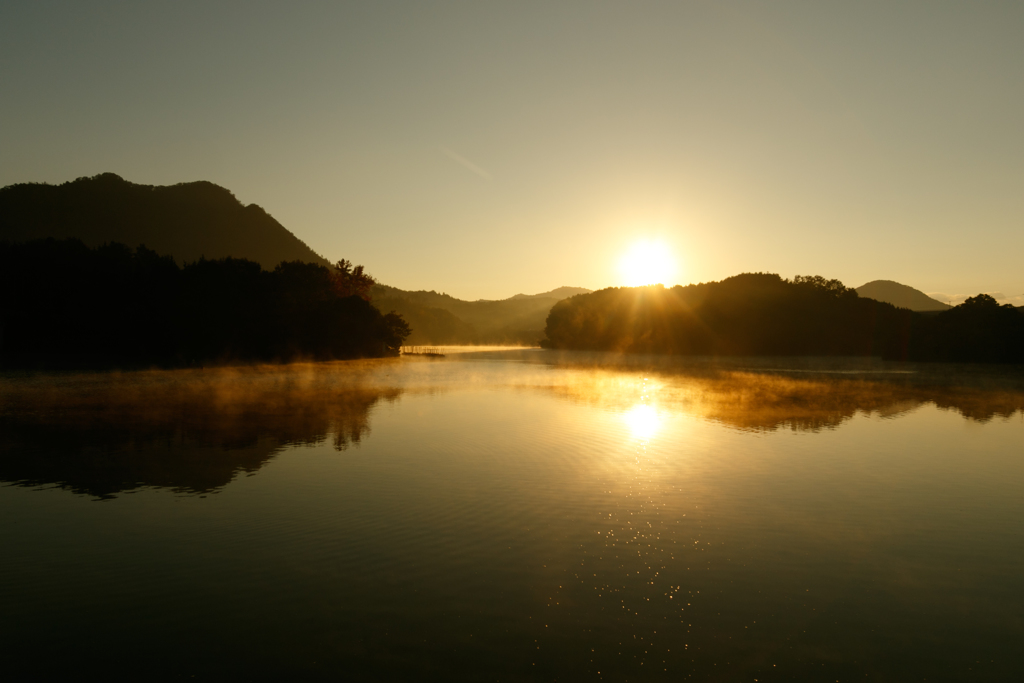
(63, 303)
(762, 314)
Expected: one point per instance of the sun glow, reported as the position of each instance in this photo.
(648, 263)
(643, 421)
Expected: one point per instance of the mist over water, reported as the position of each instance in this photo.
(515, 515)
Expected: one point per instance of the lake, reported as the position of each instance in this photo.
(515, 515)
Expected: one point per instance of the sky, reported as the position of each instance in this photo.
(485, 149)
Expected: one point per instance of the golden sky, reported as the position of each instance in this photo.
(486, 149)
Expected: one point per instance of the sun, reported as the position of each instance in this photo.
(648, 263)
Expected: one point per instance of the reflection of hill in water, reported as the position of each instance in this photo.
(191, 431)
(757, 402)
(194, 431)
(798, 398)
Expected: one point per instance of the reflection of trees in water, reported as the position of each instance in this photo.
(191, 431)
(771, 400)
(194, 431)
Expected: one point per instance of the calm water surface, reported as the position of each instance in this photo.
(514, 516)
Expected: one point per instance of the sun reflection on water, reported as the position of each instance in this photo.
(643, 421)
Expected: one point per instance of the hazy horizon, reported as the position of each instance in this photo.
(486, 151)
(323, 439)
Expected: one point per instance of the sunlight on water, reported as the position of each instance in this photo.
(515, 515)
(643, 421)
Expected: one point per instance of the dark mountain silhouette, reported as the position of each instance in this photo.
(188, 220)
(901, 296)
(443, 319)
(761, 314)
(193, 221)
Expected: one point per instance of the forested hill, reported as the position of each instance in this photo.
(442, 319)
(762, 314)
(197, 220)
(188, 220)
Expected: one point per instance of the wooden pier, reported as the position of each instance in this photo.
(422, 351)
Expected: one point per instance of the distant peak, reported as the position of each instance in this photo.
(186, 220)
(900, 295)
(559, 293)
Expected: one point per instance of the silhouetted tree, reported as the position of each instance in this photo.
(350, 280)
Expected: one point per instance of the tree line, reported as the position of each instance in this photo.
(65, 304)
(763, 314)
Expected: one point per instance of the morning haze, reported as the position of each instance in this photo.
(470, 149)
(430, 341)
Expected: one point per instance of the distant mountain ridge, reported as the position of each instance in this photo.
(900, 295)
(187, 221)
(443, 319)
(559, 293)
